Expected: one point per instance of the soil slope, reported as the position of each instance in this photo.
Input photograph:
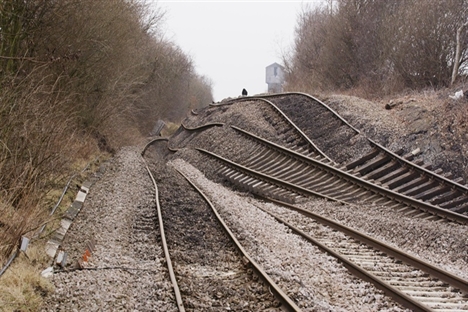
(432, 122)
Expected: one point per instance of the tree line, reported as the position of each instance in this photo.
(379, 46)
(78, 76)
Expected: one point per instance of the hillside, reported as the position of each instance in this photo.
(430, 121)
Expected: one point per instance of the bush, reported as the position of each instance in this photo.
(76, 76)
(378, 46)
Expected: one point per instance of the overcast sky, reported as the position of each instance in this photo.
(231, 42)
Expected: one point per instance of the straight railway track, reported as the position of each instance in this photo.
(410, 281)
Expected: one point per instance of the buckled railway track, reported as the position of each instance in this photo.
(292, 166)
(379, 165)
(376, 164)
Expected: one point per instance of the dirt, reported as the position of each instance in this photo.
(432, 122)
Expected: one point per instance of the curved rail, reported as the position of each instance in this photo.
(203, 127)
(423, 206)
(288, 120)
(412, 177)
(288, 303)
(439, 177)
(390, 173)
(312, 98)
(178, 296)
(150, 143)
(271, 180)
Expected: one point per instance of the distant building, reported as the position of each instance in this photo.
(275, 78)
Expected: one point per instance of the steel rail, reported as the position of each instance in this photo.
(280, 294)
(269, 179)
(443, 275)
(199, 128)
(364, 183)
(178, 296)
(151, 142)
(391, 195)
(283, 115)
(401, 160)
(312, 98)
(355, 269)
(202, 127)
(421, 170)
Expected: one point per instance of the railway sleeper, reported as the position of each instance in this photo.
(446, 197)
(298, 172)
(340, 189)
(382, 200)
(433, 192)
(430, 184)
(307, 179)
(290, 170)
(274, 168)
(373, 164)
(415, 285)
(404, 178)
(255, 153)
(382, 171)
(455, 202)
(264, 189)
(393, 175)
(311, 183)
(272, 162)
(363, 159)
(352, 197)
(262, 155)
(411, 184)
(397, 206)
(448, 175)
(329, 180)
(430, 295)
(460, 209)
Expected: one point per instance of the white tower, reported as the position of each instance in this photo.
(275, 78)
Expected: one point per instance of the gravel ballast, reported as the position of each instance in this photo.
(127, 270)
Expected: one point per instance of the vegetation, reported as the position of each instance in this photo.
(380, 47)
(78, 78)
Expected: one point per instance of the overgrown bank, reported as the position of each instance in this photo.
(78, 79)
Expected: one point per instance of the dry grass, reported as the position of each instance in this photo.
(22, 287)
(78, 78)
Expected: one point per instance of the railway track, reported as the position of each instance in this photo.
(300, 172)
(208, 267)
(410, 281)
(269, 166)
(373, 162)
(290, 166)
(377, 164)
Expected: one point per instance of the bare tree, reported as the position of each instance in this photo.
(458, 53)
(379, 46)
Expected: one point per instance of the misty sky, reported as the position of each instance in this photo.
(231, 42)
